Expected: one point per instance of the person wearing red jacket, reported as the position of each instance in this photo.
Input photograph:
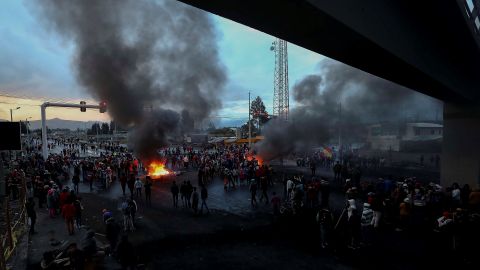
(63, 197)
(68, 212)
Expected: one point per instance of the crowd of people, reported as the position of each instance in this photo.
(52, 184)
(370, 205)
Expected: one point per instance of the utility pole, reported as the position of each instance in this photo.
(249, 125)
(340, 132)
(11, 113)
(27, 124)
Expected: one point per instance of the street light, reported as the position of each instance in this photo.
(27, 123)
(11, 113)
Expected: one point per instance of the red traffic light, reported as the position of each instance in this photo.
(103, 107)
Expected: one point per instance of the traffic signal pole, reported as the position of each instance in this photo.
(44, 119)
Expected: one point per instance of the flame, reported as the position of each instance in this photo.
(157, 169)
(259, 159)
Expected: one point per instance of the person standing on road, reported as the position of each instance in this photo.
(127, 217)
(325, 192)
(174, 189)
(51, 203)
(325, 220)
(76, 181)
(138, 188)
(125, 253)
(68, 211)
(337, 169)
(185, 162)
(78, 212)
(367, 222)
(148, 191)
(131, 184)
(195, 199)
(313, 166)
(253, 193)
(276, 203)
(134, 208)
(264, 186)
(183, 193)
(189, 191)
(123, 182)
(112, 231)
(204, 196)
(30, 207)
(290, 185)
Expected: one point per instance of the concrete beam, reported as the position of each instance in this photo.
(423, 45)
(461, 145)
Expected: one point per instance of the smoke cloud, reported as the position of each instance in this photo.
(341, 99)
(148, 60)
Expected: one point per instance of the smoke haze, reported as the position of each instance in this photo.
(137, 54)
(364, 99)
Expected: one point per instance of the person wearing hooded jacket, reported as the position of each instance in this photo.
(112, 230)
(353, 223)
(366, 223)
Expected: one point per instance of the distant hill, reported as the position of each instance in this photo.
(60, 123)
(230, 123)
(73, 125)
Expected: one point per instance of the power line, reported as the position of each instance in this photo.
(23, 104)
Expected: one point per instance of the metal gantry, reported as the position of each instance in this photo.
(280, 92)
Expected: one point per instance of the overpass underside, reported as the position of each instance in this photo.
(428, 46)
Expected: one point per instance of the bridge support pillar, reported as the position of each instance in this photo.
(461, 145)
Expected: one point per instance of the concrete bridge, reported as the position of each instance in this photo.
(430, 46)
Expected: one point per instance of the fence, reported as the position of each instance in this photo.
(13, 224)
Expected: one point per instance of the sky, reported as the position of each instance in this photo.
(37, 67)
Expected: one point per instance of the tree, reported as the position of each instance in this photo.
(258, 112)
(94, 130)
(105, 128)
(244, 129)
(114, 126)
(225, 132)
(23, 127)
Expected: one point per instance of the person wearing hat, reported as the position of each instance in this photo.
(367, 222)
(353, 223)
(106, 214)
(405, 208)
(325, 192)
(30, 208)
(348, 185)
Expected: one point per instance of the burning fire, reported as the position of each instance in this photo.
(157, 169)
(259, 159)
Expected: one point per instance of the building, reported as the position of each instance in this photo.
(405, 137)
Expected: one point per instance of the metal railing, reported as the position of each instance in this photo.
(14, 226)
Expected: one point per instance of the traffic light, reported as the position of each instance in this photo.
(103, 107)
(83, 109)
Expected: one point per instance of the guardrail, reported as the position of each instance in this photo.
(15, 225)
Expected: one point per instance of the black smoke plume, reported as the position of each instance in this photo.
(148, 60)
(341, 99)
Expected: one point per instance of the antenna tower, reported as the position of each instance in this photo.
(280, 90)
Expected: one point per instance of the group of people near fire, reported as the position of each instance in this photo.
(371, 205)
(402, 204)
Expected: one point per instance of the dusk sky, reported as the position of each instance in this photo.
(37, 66)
